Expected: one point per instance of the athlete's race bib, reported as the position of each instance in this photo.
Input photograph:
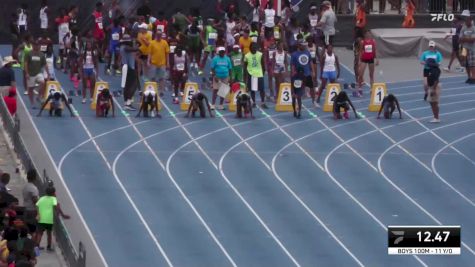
(313, 54)
(254, 39)
(368, 48)
(172, 48)
(279, 59)
(99, 23)
(161, 28)
(212, 38)
(236, 61)
(115, 36)
(43, 48)
(89, 59)
(180, 66)
(297, 83)
(276, 34)
(271, 54)
(313, 22)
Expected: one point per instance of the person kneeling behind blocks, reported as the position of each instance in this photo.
(55, 108)
(104, 104)
(243, 105)
(149, 104)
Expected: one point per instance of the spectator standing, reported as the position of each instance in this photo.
(327, 22)
(44, 22)
(467, 39)
(30, 197)
(158, 60)
(7, 75)
(47, 207)
(10, 101)
(254, 74)
(221, 69)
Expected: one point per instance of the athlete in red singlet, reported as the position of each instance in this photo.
(98, 31)
(368, 57)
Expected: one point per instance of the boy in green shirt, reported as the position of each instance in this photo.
(47, 207)
(236, 59)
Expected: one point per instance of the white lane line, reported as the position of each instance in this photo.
(405, 194)
(424, 165)
(336, 181)
(68, 192)
(279, 127)
(442, 140)
(231, 185)
(421, 85)
(124, 190)
(434, 169)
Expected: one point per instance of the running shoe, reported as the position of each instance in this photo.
(298, 115)
(83, 101)
(447, 69)
(314, 104)
(425, 97)
(118, 72)
(435, 121)
(25, 93)
(181, 94)
(173, 95)
(264, 106)
(200, 72)
(212, 107)
(471, 81)
(220, 107)
(467, 81)
(108, 72)
(35, 91)
(317, 105)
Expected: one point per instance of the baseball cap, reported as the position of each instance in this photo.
(236, 46)
(143, 26)
(8, 60)
(431, 44)
(465, 13)
(313, 7)
(221, 49)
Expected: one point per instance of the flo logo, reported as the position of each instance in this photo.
(442, 17)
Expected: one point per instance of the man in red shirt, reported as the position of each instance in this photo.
(10, 101)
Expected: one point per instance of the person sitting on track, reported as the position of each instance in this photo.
(104, 104)
(55, 107)
(243, 105)
(433, 97)
(197, 104)
(342, 101)
(149, 104)
(389, 104)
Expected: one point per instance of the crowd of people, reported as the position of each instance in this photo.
(23, 226)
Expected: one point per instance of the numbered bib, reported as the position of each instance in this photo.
(43, 48)
(115, 36)
(313, 22)
(180, 66)
(313, 54)
(279, 59)
(368, 48)
(172, 48)
(160, 28)
(212, 38)
(276, 34)
(297, 83)
(271, 54)
(254, 39)
(237, 61)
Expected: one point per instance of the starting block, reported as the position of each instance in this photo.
(97, 89)
(51, 88)
(190, 90)
(333, 89)
(151, 87)
(378, 92)
(284, 99)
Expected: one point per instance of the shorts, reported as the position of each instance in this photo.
(299, 91)
(433, 94)
(470, 58)
(455, 46)
(425, 73)
(157, 73)
(33, 80)
(368, 61)
(329, 75)
(338, 106)
(113, 48)
(260, 83)
(99, 35)
(45, 227)
(88, 72)
(237, 74)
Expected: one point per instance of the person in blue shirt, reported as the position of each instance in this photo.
(431, 53)
(221, 68)
(301, 61)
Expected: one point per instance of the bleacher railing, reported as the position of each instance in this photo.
(73, 257)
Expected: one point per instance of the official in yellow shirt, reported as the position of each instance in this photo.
(245, 42)
(158, 60)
